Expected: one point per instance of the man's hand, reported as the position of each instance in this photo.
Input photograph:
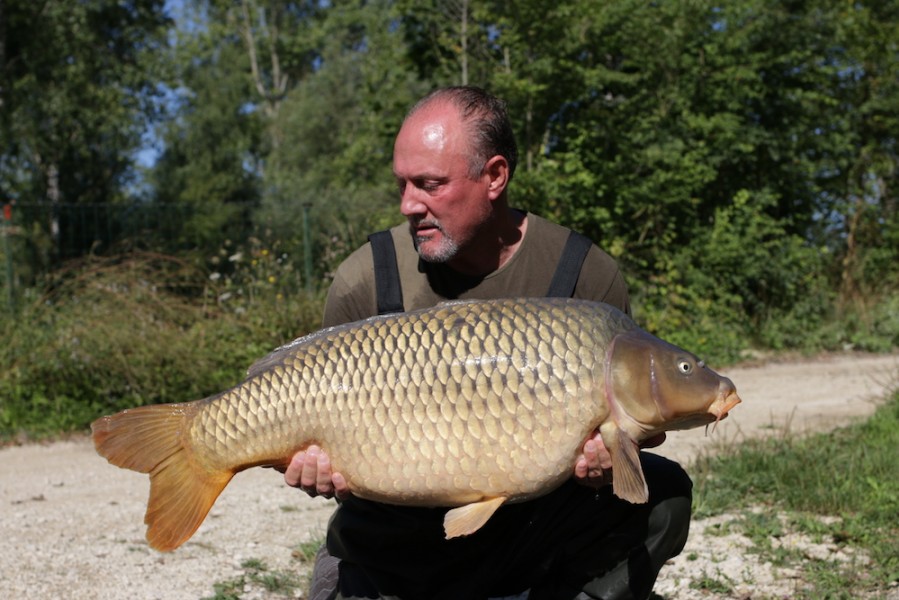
(310, 470)
(594, 466)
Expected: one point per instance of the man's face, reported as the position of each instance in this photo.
(444, 206)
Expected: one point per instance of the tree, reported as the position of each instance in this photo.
(78, 83)
(237, 61)
(338, 128)
(281, 46)
(865, 171)
(208, 179)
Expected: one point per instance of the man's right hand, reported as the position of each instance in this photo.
(310, 470)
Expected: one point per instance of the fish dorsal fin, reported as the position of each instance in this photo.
(628, 482)
(270, 360)
(467, 519)
(277, 356)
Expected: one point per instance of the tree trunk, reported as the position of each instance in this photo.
(849, 292)
(53, 198)
(273, 97)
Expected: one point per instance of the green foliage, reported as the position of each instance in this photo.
(141, 329)
(851, 473)
(257, 577)
(258, 284)
(741, 278)
(341, 123)
(877, 328)
(209, 167)
(78, 81)
(305, 552)
(718, 584)
(739, 160)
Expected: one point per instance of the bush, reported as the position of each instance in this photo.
(141, 329)
(746, 282)
(718, 290)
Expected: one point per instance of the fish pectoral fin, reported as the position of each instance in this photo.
(467, 519)
(628, 482)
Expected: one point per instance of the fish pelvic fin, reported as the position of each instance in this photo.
(150, 439)
(628, 481)
(467, 519)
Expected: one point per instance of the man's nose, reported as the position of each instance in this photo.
(410, 204)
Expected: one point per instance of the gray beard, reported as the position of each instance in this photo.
(443, 254)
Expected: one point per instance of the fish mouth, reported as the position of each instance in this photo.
(722, 405)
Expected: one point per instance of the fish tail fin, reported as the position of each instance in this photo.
(150, 439)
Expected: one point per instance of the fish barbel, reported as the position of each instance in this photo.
(468, 404)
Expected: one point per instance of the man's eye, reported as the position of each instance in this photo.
(427, 185)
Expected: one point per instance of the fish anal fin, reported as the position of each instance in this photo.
(149, 439)
(467, 519)
(628, 482)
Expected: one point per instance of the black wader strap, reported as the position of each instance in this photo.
(569, 268)
(387, 275)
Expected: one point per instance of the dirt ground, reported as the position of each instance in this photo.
(71, 525)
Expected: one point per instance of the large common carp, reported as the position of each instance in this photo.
(468, 404)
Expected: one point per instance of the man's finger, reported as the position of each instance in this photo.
(323, 484)
(309, 479)
(294, 471)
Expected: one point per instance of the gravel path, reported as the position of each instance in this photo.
(71, 525)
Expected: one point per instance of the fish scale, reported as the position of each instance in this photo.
(468, 404)
(423, 409)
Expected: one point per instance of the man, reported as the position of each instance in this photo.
(453, 159)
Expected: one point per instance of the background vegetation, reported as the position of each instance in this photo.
(798, 485)
(180, 179)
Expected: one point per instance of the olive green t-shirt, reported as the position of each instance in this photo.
(527, 273)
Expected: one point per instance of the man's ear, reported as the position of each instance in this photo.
(497, 171)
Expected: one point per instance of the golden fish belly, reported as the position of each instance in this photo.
(439, 407)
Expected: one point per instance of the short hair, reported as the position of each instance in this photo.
(489, 128)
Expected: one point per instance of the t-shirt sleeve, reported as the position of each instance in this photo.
(351, 295)
(601, 280)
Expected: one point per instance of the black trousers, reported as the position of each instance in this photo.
(575, 542)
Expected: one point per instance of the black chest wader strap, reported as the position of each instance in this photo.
(569, 268)
(387, 275)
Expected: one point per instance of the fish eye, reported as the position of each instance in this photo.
(684, 366)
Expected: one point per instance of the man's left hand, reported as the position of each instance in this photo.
(594, 466)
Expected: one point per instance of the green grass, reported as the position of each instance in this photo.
(788, 484)
(256, 578)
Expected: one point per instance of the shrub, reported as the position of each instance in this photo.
(139, 329)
